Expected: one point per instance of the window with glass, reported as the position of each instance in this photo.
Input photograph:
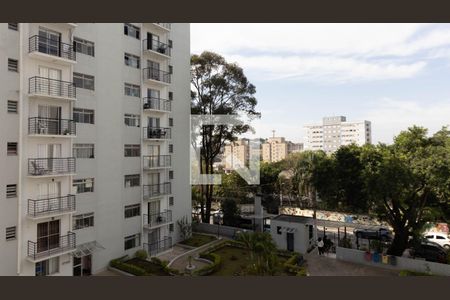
(47, 267)
(132, 150)
(83, 221)
(132, 90)
(132, 211)
(132, 120)
(82, 115)
(131, 30)
(83, 46)
(132, 241)
(84, 81)
(132, 180)
(85, 185)
(132, 60)
(83, 150)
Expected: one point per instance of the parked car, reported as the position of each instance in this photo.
(381, 233)
(439, 238)
(430, 251)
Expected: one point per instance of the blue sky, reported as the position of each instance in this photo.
(394, 75)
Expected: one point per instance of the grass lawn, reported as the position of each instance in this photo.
(147, 266)
(197, 240)
(236, 259)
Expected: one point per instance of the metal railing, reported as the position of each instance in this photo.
(157, 104)
(51, 47)
(51, 166)
(157, 219)
(157, 161)
(154, 190)
(157, 74)
(154, 248)
(157, 133)
(52, 87)
(38, 125)
(165, 25)
(51, 245)
(157, 46)
(39, 207)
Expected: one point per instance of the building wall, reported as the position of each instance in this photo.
(301, 235)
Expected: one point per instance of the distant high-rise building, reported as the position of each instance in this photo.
(335, 132)
(236, 154)
(277, 148)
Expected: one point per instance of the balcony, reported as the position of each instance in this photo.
(51, 88)
(157, 104)
(157, 133)
(165, 26)
(157, 162)
(157, 190)
(51, 50)
(154, 248)
(38, 167)
(38, 208)
(51, 127)
(157, 75)
(51, 246)
(155, 46)
(158, 219)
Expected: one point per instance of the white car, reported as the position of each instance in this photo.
(440, 238)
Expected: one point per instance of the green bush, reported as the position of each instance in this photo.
(291, 266)
(141, 254)
(119, 264)
(214, 267)
(412, 273)
(302, 272)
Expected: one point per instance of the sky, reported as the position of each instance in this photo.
(394, 75)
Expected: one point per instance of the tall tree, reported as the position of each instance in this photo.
(218, 88)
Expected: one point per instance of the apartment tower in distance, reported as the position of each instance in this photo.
(94, 143)
(335, 132)
(278, 148)
(236, 154)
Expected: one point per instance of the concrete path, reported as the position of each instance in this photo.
(330, 266)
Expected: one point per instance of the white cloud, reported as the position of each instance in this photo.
(390, 115)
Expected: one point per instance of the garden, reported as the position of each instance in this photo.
(197, 240)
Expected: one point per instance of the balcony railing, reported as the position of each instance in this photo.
(157, 46)
(157, 104)
(154, 248)
(51, 245)
(52, 87)
(51, 166)
(155, 190)
(37, 125)
(51, 47)
(157, 161)
(158, 219)
(157, 133)
(42, 207)
(157, 74)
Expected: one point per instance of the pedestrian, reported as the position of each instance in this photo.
(320, 246)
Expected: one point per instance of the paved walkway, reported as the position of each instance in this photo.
(330, 266)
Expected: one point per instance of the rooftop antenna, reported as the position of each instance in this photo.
(273, 133)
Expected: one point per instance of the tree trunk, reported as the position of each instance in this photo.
(400, 242)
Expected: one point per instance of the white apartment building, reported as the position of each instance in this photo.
(336, 131)
(94, 150)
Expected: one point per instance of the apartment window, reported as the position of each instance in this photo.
(170, 95)
(132, 211)
(171, 227)
(132, 241)
(13, 26)
(132, 90)
(170, 174)
(13, 65)
(171, 200)
(170, 69)
(132, 150)
(12, 148)
(170, 43)
(170, 148)
(11, 190)
(85, 185)
(278, 229)
(132, 120)
(131, 30)
(84, 81)
(10, 233)
(12, 107)
(170, 121)
(82, 115)
(83, 46)
(132, 180)
(83, 150)
(132, 60)
(83, 221)
(47, 267)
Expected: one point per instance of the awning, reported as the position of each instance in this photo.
(87, 249)
(288, 229)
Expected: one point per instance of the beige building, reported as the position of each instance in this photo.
(236, 154)
(277, 148)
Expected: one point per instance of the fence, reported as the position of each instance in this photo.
(396, 263)
(221, 230)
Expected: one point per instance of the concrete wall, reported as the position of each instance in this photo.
(214, 229)
(301, 236)
(402, 263)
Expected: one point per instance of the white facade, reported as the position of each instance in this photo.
(335, 132)
(74, 176)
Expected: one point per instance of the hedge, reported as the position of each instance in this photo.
(215, 266)
(132, 269)
(291, 266)
(412, 273)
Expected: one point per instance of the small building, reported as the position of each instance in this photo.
(292, 233)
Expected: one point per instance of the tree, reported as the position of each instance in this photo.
(218, 88)
(406, 181)
(230, 212)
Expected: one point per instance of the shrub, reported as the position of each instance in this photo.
(214, 267)
(412, 273)
(233, 257)
(141, 254)
(132, 269)
(292, 265)
(302, 272)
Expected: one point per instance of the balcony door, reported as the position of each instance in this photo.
(154, 153)
(51, 191)
(47, 152)
(153, 96)
(154, 68)
(51, 84)
(49, 119)
(49, 42)
(48, 235)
